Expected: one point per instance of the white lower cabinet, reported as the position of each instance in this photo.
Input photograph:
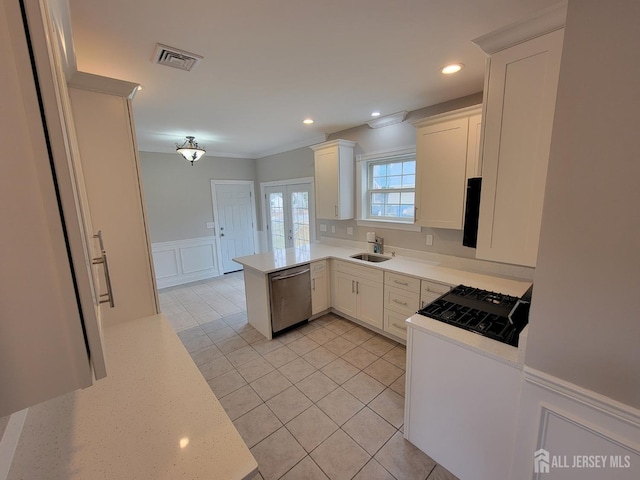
(401, 300)
(395, 323)
(319, 287)
(358, 293)
(431, 291)
(460, 406)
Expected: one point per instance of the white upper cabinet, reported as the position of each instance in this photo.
(446, 155)
(520, 95)
(335, 179)
(109, 154)
(51, 340)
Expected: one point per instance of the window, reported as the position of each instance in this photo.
(390, 189)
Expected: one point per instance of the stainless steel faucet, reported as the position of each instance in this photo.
(378, 246)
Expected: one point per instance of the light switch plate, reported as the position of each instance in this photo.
(333, 229)
(210, 225)
(429, 239)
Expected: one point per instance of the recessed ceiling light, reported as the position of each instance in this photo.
(307, 121)
(375, 114)
(453, 68)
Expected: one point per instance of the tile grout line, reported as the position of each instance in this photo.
(238, 330)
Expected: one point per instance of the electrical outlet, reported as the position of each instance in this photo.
(323, 227)
(333, 229)
(349, 230)
(429, 239)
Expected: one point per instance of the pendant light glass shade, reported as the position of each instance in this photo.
(190, 150)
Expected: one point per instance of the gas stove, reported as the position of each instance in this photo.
(493, 315)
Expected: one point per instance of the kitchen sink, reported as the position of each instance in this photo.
(370, 257)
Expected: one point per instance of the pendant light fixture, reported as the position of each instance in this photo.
(190, 150)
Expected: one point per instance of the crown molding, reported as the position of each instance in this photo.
(100, 84)
(545, 21)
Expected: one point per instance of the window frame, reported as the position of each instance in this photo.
(363, 197)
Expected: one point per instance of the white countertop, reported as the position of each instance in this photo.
(283, 258)
(512, 356)
(153, 417)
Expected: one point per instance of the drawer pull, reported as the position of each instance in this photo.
(401, 327)
(406, 284)
(400, 303)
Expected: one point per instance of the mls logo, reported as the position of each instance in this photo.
(541, 461)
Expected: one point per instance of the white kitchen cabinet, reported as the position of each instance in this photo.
(319, 287)
(430, 291)
(401, 300)
(51, 339)
(463, 416)
(446, 155)
(520, 95)
(111, 170)
(358, 293)
(335, 179)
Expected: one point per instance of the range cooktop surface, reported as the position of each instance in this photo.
(493, 315)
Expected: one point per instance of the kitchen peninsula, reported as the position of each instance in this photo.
(257, 267)
(446, 365)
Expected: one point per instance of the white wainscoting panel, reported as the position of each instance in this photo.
(570, 422)
(184, 261)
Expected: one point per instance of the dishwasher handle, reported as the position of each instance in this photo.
(283, 277)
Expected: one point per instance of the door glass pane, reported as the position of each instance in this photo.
(276, 211)
(300, 218)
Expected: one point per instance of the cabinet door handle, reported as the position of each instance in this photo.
(313, 287)
(401, 327)
(406, 284)
(400, 303)
(336, 208)
(105, 297)
(353, 288)
(357, 288)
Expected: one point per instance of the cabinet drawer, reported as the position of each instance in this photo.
(395, 323)
(402, 281)
(429, 287)
(368, 273)
(401, 301)
(431, 291)
(318, 267)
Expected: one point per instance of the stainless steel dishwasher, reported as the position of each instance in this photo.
(290, 297)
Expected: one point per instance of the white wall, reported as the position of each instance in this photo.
(585, 318)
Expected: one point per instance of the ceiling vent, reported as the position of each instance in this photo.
(175, 58)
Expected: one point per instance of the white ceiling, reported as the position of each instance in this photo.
(269, 64)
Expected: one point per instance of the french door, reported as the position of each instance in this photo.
(289, 215)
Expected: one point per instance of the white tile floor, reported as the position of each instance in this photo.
(325, 401)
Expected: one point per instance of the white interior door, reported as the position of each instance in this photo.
(289, 215)
(234, 212)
